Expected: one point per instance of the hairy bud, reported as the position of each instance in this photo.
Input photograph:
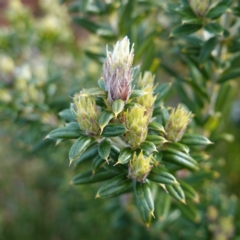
(87, 113)
(147, 100)
(139, 167)
(136, 123)
(177, 123)
(118, 71)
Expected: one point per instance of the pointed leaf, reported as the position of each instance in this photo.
(113, 130)
(185, 30)
(207, 48)
(114, 186)
(195, 140)
(64, 133)
(144, 196)
(117, 106)
(79, 147)
(125, 156)
(88, 177)
(161, 176)
(176, 192)
(104, 148)
(104, 118)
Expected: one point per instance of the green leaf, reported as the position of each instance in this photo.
(207, 48)
(156, 126)
(144, 196)
(104, 149)
(163, 204)
(67, 115)
(94, 28)
(161, 176)
(117, 106)
(189, 191)
(162, 90)
(64, 133)
(148, 147)
(178, 146)
(157, 140)
(114, 186)
(228, 75)
(190, 212)
(73, 125)
(79, 147)
(195, 140)
(96, 164)
(125, 156)
(236, 11)
(217, 11)
(89, 177)
(114, 130)
(87, 24)
(224, 95)
(88, 155)
(104, 118)
(180, 159)
(176, 192)
(146, 216)
(214, 28)
(115, 151)
(185, 30)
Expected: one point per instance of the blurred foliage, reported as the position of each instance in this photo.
(43, 63)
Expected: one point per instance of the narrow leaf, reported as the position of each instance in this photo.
(115, 186)
(79, 146)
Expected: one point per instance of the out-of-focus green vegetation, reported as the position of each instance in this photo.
(42, 63)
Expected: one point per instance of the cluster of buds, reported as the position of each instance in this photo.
(118, 125)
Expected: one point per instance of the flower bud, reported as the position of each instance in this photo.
(147, 100)
(136, 122)
(118, 71)
(87, 113)
(139, 167)
(147, 79)
(177, 123)
(200, 7)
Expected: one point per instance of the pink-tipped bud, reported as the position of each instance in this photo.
(118, 71)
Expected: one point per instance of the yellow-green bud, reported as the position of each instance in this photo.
(136, 122)
(139, 167)
(118, 71)
(200, 7)
(177, 123)
(147, 100)
(87, 113)
(146, 79)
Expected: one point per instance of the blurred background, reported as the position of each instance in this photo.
(48, 51)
